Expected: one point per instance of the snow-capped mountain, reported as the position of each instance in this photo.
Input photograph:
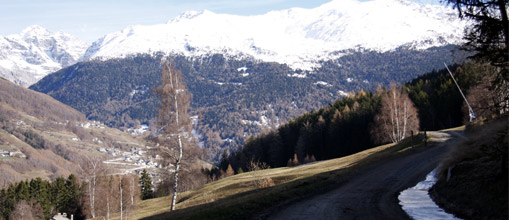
(35, 52)
(298, 37)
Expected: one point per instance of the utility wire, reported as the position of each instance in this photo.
(470, 110)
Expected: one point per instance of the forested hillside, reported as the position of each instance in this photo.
(437, 98)
(343, 128)
(232, 98)
(334, 131)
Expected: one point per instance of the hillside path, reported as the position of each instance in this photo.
(371, 193)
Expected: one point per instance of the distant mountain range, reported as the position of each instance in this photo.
(232, 99)
(297, 37)
(300, 38)
(27, 57)
(247, 73)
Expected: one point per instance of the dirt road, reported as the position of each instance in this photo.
(371, 193)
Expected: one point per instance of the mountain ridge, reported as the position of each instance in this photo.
(272, 37)
(35, 52)
(298, 37)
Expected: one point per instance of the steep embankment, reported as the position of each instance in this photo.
(473, 182)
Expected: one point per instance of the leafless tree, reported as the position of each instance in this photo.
(488, 101)
(229, 171)
(132, 191)
(396, 117)
(22, 210)
(120, 196)
(173, 121)
(92, 168)
(27, 210)
(109, 192)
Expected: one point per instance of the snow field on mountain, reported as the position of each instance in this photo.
(298, 37)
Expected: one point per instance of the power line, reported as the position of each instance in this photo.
(470, 110)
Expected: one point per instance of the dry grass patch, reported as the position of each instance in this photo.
(243, 195)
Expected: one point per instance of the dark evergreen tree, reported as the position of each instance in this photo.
(489, 35)
(22, 191)
(146, 186)
(58, 194)
(44, 198)
(72, 195)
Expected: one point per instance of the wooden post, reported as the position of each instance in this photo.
(425, 139)
(412, 139)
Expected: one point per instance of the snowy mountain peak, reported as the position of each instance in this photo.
(298, 37)
(35, 30)
(35, 52)
(187, 15)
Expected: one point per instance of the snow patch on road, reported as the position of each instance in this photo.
(417, 203)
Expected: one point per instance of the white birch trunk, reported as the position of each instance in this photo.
(108, 207)
(396, 112)
(393, 136)
(179, 158)
(404, 120)
(94, 182)
(132, 190)
(121, 204)
(91, 188)
(177, 168)
(176, 91)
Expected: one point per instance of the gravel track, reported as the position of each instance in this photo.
(371, 193)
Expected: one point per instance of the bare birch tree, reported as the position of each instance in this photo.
(108, 194)
(121, 197)
(92, 168)
(29, 210)
(396, 118)
(22, 210)
(173, 121)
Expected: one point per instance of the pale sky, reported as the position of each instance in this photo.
(91, 19)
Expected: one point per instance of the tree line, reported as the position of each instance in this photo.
(43, 199)
(354, 123)
(336, 130)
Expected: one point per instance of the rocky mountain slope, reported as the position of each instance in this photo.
(35, 52)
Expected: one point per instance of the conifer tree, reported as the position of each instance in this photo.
(489, 33)
(146, 185)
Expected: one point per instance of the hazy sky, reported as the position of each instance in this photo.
(91, 19)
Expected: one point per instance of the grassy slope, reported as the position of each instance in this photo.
(241, 197)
